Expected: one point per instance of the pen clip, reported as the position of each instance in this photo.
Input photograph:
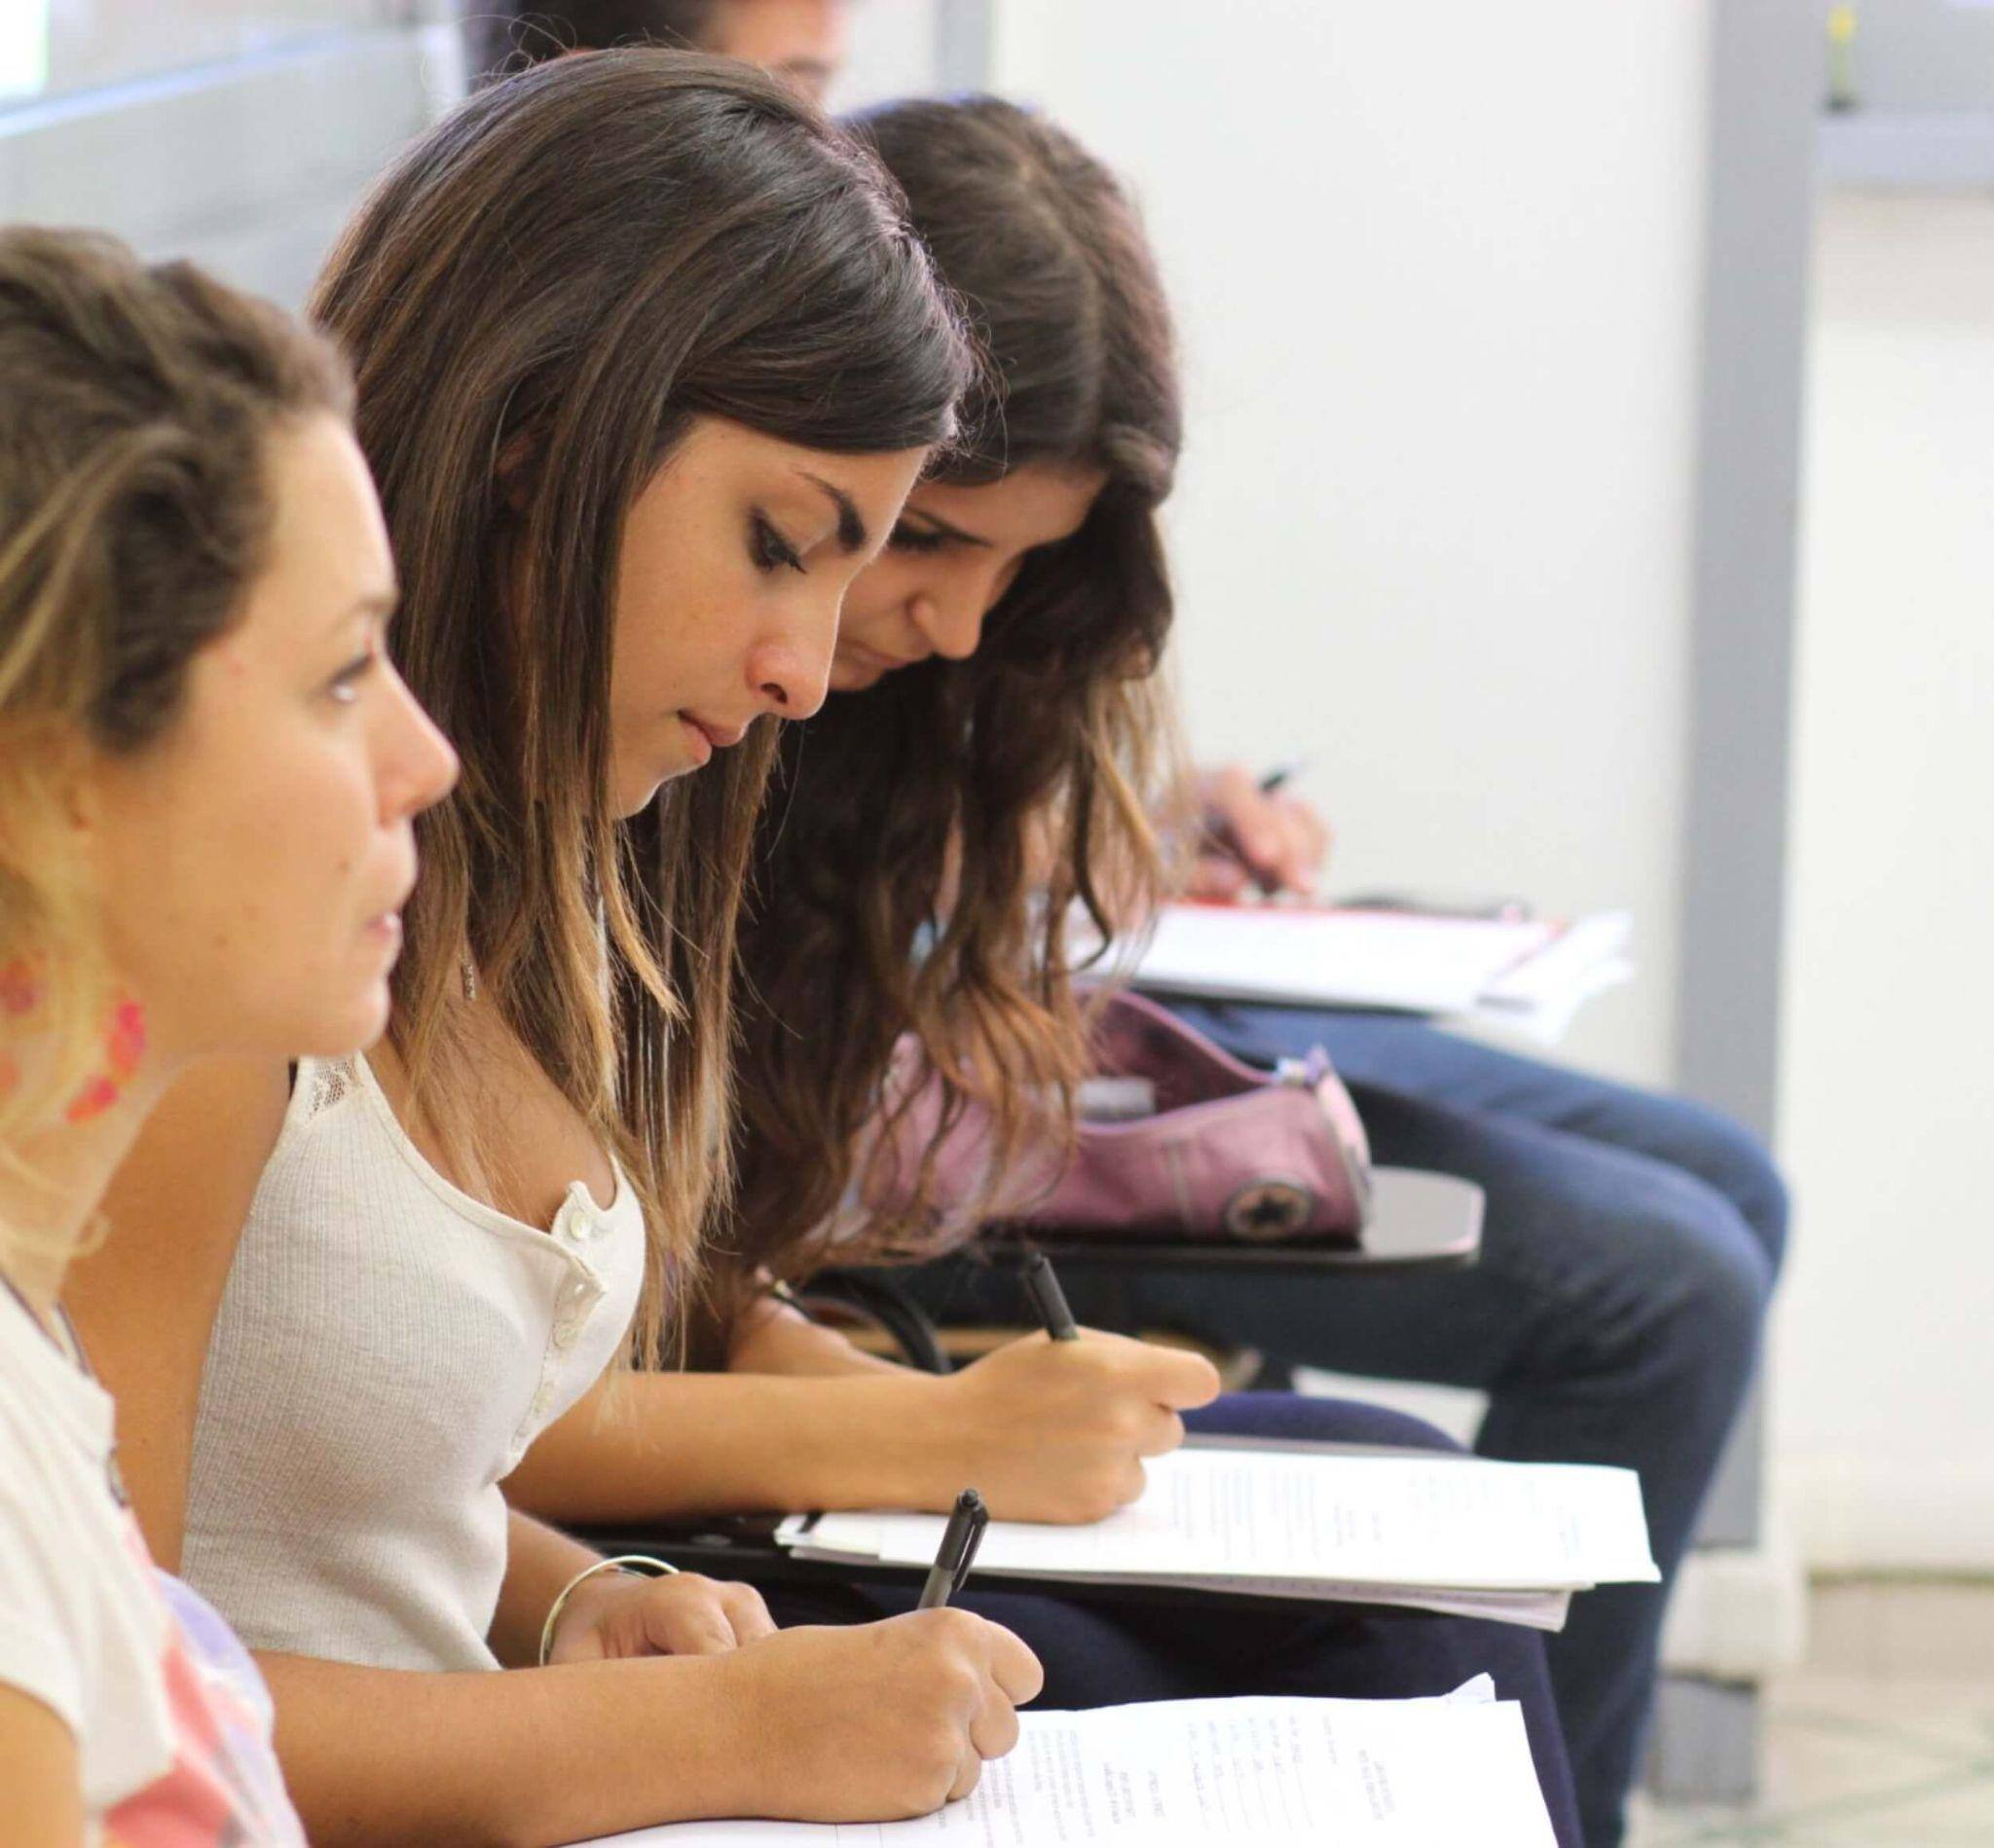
(973, 1536)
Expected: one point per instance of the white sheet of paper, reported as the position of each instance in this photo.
(1376, 959)
(1400, 1520)
(1246, 1773)
(1529, 975)
(1545, 1610)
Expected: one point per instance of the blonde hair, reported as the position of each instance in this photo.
(133, 516)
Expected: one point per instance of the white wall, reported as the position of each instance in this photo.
(249, 166)
(892, 52)
(1885, 1363)
(1438, 277)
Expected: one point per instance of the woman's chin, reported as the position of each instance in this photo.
(639, 793)
(352, 1028)
(850, 678)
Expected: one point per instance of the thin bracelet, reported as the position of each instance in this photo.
(642, 1564)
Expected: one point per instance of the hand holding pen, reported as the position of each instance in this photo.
(1257, 836)
(1047, 1298)
(1058, 1430)
(957, 1552)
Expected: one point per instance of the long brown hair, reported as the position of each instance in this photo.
(134, 516)
(538, 299)
(899, 886)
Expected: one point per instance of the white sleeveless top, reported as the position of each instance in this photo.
(388, 1347)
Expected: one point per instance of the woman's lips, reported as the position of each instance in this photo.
(708, 738)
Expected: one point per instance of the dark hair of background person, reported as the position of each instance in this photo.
(136, 515)
(538, 299)
(503, 36)
(918, 823)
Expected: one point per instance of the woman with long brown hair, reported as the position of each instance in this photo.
(990, 755)
(646, 361)
(1632, 1239)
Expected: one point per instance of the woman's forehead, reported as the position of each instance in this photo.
(1036, 505)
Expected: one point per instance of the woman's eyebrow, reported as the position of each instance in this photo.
(376, 607)
(939, 525)
(852, 535)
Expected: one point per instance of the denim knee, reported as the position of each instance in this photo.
(1713, 1282)
(1292, 1418)
(1736, 1163)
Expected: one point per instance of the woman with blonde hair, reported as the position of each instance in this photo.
(207, 775)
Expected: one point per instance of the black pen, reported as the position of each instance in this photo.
(1280, 774)
(960, 1539)
(1047, 1298)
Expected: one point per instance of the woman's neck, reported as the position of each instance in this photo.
(49, 1186)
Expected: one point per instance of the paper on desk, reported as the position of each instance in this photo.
(1244, 1773)
(1526, 974)
(1457, 1522)
(1365, 959)
(1542, 994)
(859, 1546)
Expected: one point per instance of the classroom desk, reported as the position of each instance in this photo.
(1419, 1220)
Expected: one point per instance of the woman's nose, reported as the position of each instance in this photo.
(789, 673)
(419, 764)
(952, 626)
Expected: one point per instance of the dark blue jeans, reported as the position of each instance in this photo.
(1630, 1249)
(1099, 1651)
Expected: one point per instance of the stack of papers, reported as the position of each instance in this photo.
(1248, 1773)
(1430, 1530)
(1528, 975)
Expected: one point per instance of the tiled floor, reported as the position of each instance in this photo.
(1885, 1740)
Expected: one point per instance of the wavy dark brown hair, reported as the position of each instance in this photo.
(538, 299)
(930, 836)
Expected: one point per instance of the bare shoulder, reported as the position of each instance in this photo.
(145, 1300)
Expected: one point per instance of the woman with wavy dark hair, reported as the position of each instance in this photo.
(993, 749)
(990, 755)
(646, 360)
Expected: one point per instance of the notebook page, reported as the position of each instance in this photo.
(1246, 1773)
(1398, 1520)
(1371, 959)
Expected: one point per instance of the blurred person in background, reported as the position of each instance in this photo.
(801, 41)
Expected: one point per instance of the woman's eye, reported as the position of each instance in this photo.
(344, 685)
(769, 549)
(915, 538)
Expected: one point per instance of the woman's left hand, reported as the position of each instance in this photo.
(615, 1615)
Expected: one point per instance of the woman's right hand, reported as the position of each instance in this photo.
(1057, 1430)
(875, 1721)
